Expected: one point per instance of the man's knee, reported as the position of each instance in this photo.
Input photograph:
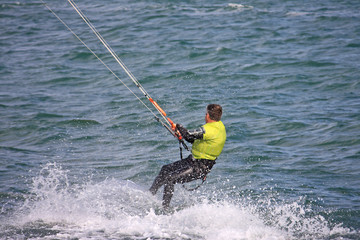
(166, 169)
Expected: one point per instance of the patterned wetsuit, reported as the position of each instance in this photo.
(208, 142)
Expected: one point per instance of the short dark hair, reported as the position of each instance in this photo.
(214, 111)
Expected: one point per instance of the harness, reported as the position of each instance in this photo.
(204, 168)
(195, 188)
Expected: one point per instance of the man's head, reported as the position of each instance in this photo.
(214, 111)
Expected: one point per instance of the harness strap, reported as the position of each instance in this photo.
(195, 188)
(180, 147)
(208, 167)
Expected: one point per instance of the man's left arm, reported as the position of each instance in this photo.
(191, 135)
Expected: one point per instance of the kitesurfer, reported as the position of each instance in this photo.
(207, 144)
(208, 140)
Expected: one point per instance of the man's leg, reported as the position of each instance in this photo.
(187, 172)
(164, 176)
(161, 178)
(169, 175)
(181, 175)
(168, 193)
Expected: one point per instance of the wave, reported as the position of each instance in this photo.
(239, 6)
(16, 4)
(296, 14)
(16, 149)
(56, 207)
(80, 122)
(47, 115)
(277, 65)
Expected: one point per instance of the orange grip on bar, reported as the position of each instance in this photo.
(173, 125)
(179, 135)
(157, 106)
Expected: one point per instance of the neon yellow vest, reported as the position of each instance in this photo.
(212, 143)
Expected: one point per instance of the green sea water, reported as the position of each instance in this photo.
(78, 151)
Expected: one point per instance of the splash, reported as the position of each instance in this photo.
(300, 221)
(239, 6)
(56, 199)
(117, 209)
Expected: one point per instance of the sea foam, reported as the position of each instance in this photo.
(112, 208)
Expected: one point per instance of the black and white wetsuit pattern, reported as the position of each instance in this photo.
(182, 171)
(191, 135)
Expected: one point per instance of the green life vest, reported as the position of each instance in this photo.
(212, 143)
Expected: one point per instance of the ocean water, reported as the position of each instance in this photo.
(78, 151)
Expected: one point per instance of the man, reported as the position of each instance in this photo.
(207, 144)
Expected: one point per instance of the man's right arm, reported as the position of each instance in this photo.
(191, 135)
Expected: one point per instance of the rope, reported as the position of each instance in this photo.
(114, 55)
(112, 52)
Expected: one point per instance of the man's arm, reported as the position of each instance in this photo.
(191, 135)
